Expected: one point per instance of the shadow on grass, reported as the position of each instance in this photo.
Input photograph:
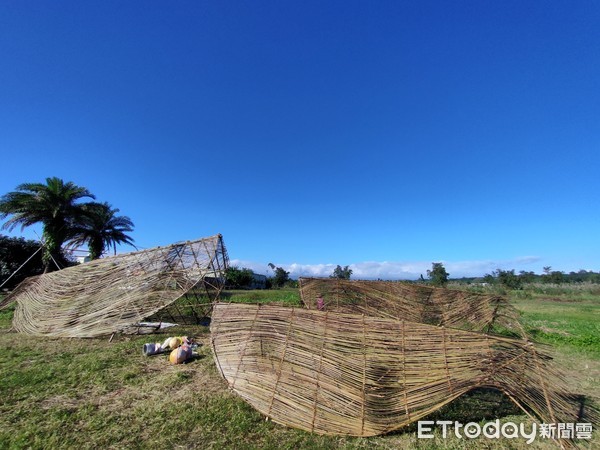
(481, 404)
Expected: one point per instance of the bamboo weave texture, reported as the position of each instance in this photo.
(113, 294)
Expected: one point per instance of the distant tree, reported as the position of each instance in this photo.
(507, 278)
(576, 277)
(555, 277)
(54, 205)
(342, 273)
(280, 278)
(14, 252)
(489, 278)
(239, 278)
(292, 283)
(583, 276)
(527, 277)
(101, 228)
(438, 275)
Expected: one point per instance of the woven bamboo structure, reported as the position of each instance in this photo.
(351, 374)
(114, 294)
(413, 302)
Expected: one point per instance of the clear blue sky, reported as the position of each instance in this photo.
(382, 135)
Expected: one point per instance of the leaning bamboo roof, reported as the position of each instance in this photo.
(351, 374)
(114, 294)
(414, 302)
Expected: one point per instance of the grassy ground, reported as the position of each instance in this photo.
(569, 321)
(89, 393)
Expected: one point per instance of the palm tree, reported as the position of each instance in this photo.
(53, 205)
(101, 228)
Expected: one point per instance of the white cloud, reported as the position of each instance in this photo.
(395, 270)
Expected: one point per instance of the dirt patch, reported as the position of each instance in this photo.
(62, 402)
(550, 330)
(559, 299)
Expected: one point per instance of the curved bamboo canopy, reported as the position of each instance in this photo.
(351, 374)
(413, 302)
(114, 294)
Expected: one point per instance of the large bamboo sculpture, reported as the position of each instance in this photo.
(332, 372)
(114, 294)
(424, 304)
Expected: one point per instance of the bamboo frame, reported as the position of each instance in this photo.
(413, 302)
(351, 374)
(113, 294)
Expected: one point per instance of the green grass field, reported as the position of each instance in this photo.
(89, 393)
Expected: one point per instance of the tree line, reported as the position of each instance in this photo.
(510, 279)
(436, 276)
(243, 278)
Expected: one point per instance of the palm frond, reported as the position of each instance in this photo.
(101, 228)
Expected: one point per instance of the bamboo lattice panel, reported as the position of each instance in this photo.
(349, 374)
(417, 303)
(115, 293)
